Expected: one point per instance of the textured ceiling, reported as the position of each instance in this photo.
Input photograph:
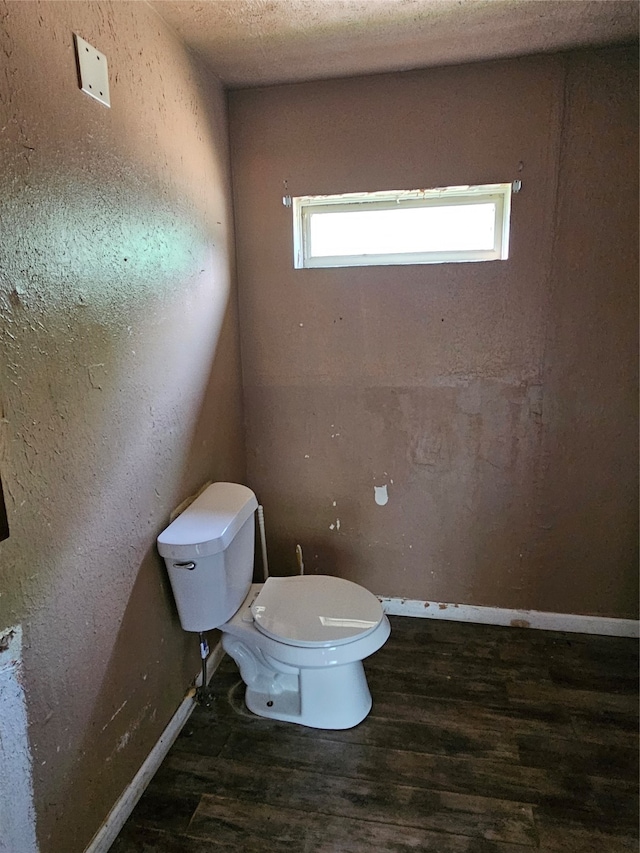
(258, 42)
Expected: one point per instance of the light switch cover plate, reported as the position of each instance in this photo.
(94, 74)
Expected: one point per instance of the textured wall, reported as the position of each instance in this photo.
(495, 401)
(120, 382)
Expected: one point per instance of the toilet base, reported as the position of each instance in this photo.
(335, 697)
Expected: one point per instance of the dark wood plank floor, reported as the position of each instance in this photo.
(480, 740)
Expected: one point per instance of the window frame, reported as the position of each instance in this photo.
(305, 206)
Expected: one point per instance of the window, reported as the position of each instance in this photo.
(444, 225)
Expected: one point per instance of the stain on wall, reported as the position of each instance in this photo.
(495, 402)
(121, 389)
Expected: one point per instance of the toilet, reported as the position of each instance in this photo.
(299, 642)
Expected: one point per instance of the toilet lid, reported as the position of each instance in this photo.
(315, 610)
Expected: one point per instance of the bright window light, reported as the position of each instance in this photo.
(450, 224)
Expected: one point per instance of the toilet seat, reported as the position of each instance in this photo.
(315, 610)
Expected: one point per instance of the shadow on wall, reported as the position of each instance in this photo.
(137, 695)
(320, 557)
(4, 521)
(112, 637)
(140, 403)
(138, 691)
(122, 390)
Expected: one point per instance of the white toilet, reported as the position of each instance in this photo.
(299, 642)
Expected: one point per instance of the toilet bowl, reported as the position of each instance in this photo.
(300, 664)
(299, 642)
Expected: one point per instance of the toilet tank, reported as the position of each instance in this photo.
(208, 550)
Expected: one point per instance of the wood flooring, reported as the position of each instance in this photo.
(481, 740)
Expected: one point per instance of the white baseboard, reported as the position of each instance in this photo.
(572, 622)
(118, 815)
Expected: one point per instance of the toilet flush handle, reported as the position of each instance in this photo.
(189, 565)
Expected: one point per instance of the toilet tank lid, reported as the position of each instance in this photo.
(209, 524)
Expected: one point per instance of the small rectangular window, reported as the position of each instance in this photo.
(436, 226)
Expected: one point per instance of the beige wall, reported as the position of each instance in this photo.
(120, 382)
(496, 401)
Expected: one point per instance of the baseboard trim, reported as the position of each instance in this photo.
(571, 622)
(118, 815)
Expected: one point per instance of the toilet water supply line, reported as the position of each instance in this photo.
(202, 695)
(263, 542)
